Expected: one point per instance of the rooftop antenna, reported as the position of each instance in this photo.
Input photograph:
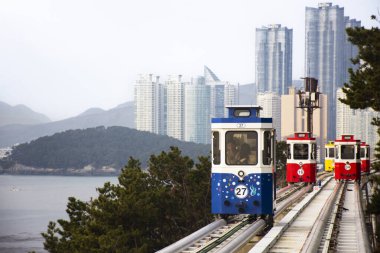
(309, 100)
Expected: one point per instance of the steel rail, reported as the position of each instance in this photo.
(275, 234)
(326, 243)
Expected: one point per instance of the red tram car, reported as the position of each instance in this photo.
(301, 165)
(364, 157)
(347, 158)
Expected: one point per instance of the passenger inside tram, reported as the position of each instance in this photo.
(301, 151)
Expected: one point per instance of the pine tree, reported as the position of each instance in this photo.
(144, 212)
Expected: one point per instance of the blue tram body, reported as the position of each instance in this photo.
(242, 178)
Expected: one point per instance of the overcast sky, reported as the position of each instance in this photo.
(63, 57)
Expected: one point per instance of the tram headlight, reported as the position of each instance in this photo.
(241, 173)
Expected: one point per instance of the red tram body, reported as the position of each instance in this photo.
(347, 158)
(301, 165)
(364, 157)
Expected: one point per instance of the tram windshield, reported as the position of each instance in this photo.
(348, 151)
(241, 147)
(301, 151)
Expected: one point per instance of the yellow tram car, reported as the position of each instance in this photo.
(329, 156)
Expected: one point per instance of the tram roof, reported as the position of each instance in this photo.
(301, 136)
(347, 138)
(364, 144)
(243, 114)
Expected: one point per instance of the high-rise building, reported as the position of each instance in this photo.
(197, 111)
(327, 52)
(271, 104)
(356, 122)
(294, 119)
(273, 59)
(221, 94)
(149, 104)
(350, 51)
(175, 107)
(230, 96)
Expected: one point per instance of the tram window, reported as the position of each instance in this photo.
(326, 152)
(241, 147)
(267, 152)
(242, 113)
(347, 151)
(367, 154)
(336, 152)
(357, 152)
(289, 152)
(313, 153)
(331, 152)
(301, 151)
(362, 152)
(215, 148)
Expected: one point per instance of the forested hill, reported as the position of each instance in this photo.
(98, 147)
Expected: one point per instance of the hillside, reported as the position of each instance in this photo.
(20, 114)
(95, 149)
(122, 115)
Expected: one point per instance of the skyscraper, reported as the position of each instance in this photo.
(175, 107)
(197, 111)
(273, 61)
(221, 94)
(350, 51)
(149, 104)
(328, 52)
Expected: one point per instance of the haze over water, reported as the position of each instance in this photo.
(28, 203)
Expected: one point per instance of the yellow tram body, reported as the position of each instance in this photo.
(329, 156)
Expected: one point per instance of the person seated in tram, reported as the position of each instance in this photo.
(244, 153)
(232, 152)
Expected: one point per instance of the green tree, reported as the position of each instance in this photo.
(144, 212)
(363, 91)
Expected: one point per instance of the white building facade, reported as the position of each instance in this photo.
(271, 104)
(149, 104)
(175, 107)
(197, 111)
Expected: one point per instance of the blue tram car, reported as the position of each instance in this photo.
(243, 151)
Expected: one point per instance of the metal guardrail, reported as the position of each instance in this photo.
(188, 240)
(364, 244)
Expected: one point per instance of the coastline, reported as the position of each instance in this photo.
(20, 169)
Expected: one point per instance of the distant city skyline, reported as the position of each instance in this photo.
(61, 58)
(182, 108)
